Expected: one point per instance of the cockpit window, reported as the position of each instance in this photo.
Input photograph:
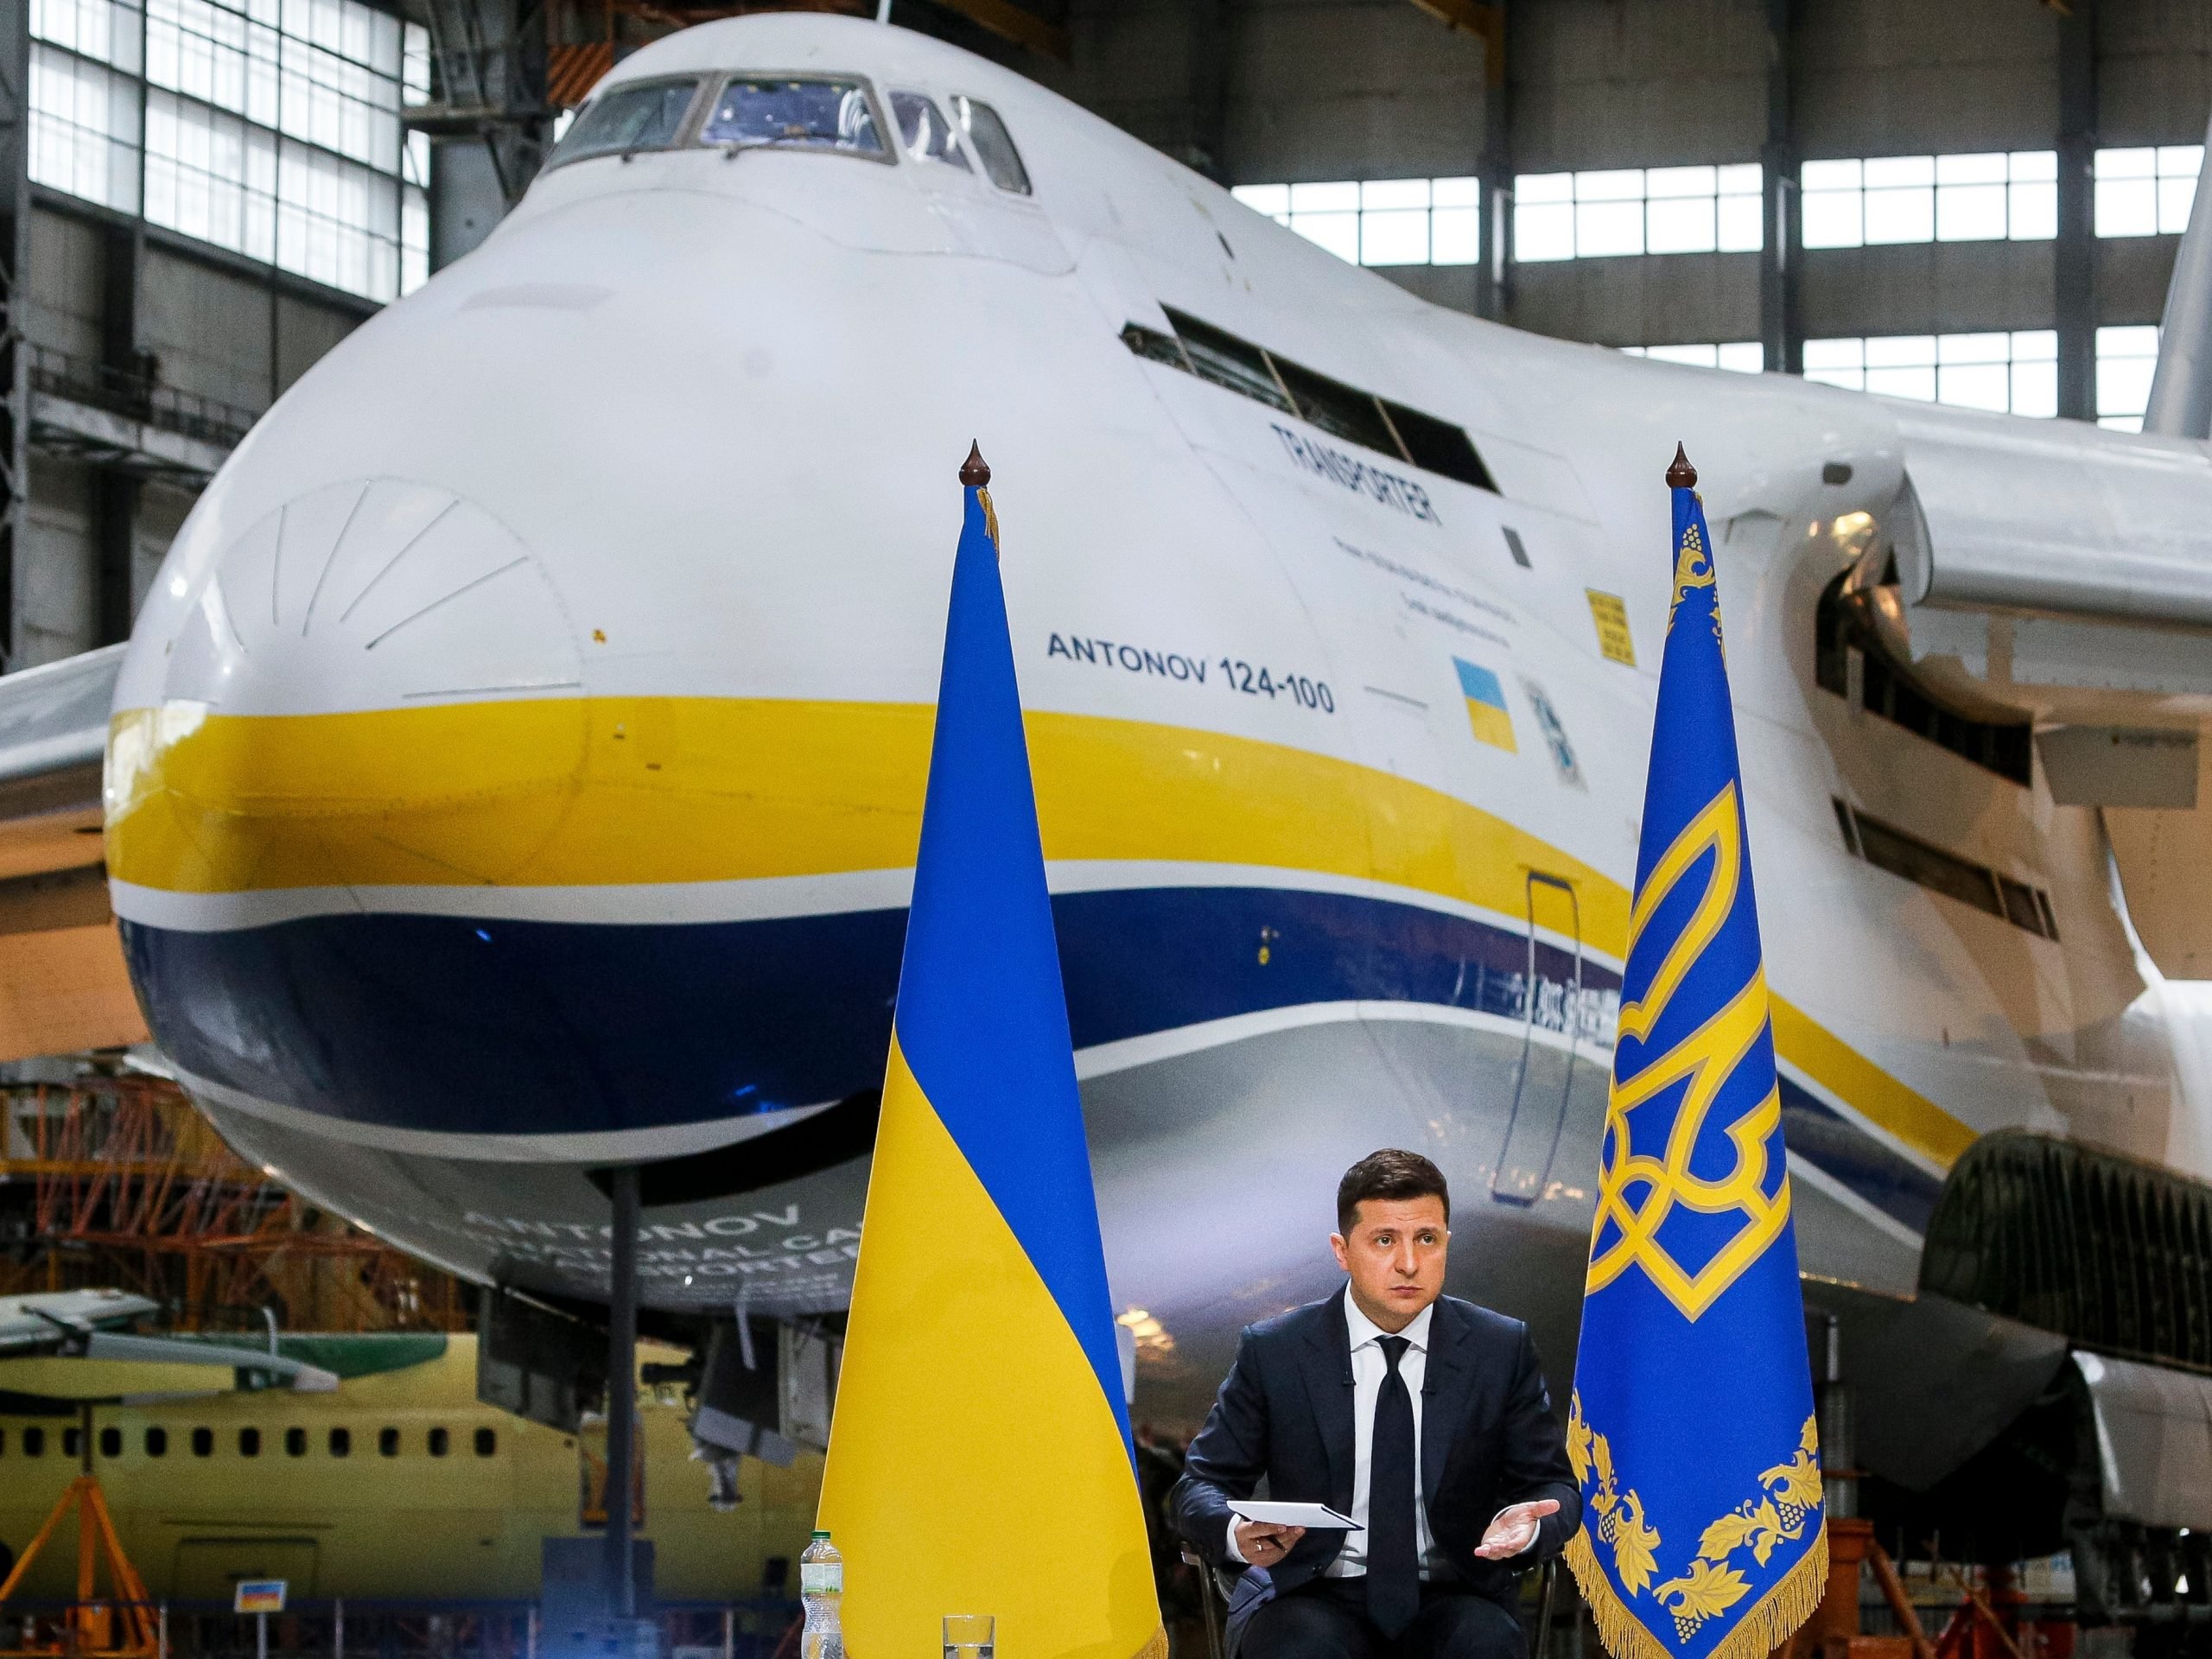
(795, 112)
(645, 114)
(993, 143)
(924, 131)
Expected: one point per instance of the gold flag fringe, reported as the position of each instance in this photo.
(1759, 1632)
(1155, 1646)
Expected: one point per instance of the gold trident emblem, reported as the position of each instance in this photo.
(1706, 1058)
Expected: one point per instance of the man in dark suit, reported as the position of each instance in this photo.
(1423, 1418)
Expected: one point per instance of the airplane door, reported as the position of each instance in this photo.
(1554, 1006)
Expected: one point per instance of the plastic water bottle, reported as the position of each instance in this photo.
(822, 1587)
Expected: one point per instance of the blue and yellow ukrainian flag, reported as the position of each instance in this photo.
(1691, 1429)
(1486, 710)
(980, 1458)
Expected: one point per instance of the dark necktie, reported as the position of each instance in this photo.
(1393, 1556)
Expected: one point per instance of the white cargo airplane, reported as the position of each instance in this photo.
(516, 767)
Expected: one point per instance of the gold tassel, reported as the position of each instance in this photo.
(1155, 1646)
(1758, 1632)
(991, 524)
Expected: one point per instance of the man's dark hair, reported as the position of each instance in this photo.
(1389, 1175)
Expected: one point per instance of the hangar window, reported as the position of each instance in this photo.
(1357, 417)
(992, 144)
(296, 1442)
(203, 1442)
(1744, 356)
(2146, 192)
(157, 1442)
(111, 1442)
(644, 115)
(1888, 848)
(1995, 197)
(2127, 359)
(924, 132)
(1636, 210)
(488, 1442)
(1379, 222)
(33, 1442)
(796, 112)
(248, 1442)
(2014, 372)
(341, 1442)
(388, 1442)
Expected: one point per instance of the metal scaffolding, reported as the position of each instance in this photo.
(118, 1181)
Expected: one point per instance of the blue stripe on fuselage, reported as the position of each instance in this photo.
(464, 1027)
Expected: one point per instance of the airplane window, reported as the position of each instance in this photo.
(157, 1442)
(1155, 347)
(1888, 848)
(924, 131)
(3, 1442)
(1888, 687)
(296, 1442)
(1440, 447)
(388, 1442)
(33, 1442)
(794, 113)
(1335, 408)
(1512, 537)
(248, 1442)
(1360, 417)
(438, 1442)
(111, 1442)
(341, 1442)
(203, 1442)
(646, 115)
(1228, 361)
(488, 1442)
(68, 1442)
(993, 143)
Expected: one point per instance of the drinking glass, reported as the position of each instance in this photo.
(969, 1635)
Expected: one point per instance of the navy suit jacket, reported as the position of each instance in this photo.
(1488, 1439)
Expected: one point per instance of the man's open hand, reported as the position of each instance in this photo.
(1515, 1529)
(1263, 1543)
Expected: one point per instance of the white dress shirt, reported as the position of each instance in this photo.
(1369, 1365)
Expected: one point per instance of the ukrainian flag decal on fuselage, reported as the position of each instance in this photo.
(1486, 710)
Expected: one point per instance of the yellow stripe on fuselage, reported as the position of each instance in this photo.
(576, 792)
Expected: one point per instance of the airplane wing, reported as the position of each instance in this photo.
(62, 983)
(77, 1345)
(2055, 572)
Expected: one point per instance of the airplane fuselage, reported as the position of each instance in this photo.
(518, 766)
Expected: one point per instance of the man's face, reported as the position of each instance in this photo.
(1395, 1254)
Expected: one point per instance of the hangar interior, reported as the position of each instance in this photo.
(1978, 203)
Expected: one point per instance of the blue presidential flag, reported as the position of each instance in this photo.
(1691, 1429)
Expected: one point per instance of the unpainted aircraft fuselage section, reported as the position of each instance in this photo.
(400, 1485)
(517, 766)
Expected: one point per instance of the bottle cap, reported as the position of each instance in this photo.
(821, 1535)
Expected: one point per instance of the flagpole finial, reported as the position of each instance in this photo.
(1681, 475)
(975, 472)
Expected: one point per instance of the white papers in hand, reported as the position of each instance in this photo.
(1318, 1516)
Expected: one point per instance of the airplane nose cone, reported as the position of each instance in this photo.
(355, 605)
